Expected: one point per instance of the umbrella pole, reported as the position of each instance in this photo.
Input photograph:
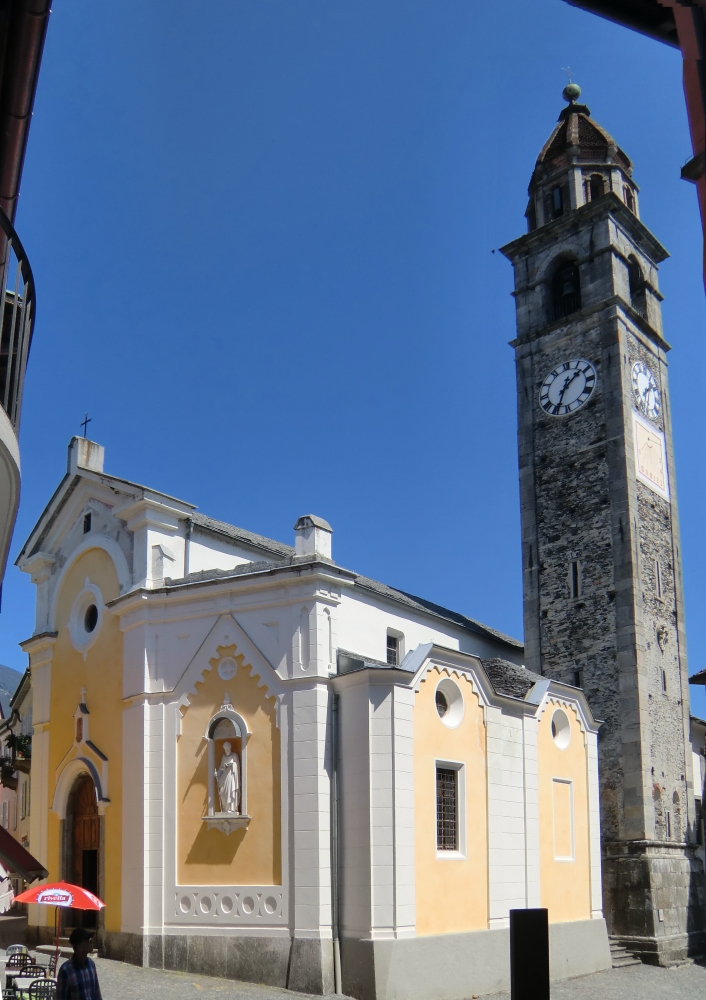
(56, 935)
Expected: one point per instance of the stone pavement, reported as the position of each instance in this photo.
(637, 982)
(119, 981)
(643, 982)
(128, 982)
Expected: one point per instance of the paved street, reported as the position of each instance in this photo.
(127, 982)
(639, 982)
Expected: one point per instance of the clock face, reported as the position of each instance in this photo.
(648, 398)
(567, 387)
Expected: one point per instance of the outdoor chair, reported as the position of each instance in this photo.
(9, 995)
(42, 989)
(14, 966)
(15, 949)
(32, 969)
(51, 966)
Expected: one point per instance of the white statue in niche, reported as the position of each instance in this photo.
(228, 778)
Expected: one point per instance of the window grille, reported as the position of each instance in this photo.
(446, 809)
(393, 648)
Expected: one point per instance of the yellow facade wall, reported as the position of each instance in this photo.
(565, 874)
(100, 673)
(250, 856)
(451, 893)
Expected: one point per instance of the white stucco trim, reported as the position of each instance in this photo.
(227, 632)
(78, 765)
(95, 541)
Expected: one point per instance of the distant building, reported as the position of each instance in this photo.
(254, 754)
(15, 763)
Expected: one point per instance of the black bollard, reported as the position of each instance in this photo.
(529, 955)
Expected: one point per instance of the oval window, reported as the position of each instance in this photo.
(561, 729)
(449, 702)
(90, 619)
(442, 703)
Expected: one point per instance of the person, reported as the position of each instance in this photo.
(228, 778)
(78, 979)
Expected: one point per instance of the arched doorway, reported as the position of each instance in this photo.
(83, 846)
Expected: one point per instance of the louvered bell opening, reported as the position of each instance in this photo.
(566, 291)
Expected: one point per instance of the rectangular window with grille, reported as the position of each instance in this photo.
(446, 809)
(393, 649)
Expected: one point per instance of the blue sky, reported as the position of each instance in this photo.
(262, 234)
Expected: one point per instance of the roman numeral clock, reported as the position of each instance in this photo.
(603, 603)
(567, 387)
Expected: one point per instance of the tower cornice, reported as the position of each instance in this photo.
(608, 204)
(617, 304)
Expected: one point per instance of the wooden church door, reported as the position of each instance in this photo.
(85, 843)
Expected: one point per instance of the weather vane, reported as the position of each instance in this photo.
(84, 423)
(567, 70)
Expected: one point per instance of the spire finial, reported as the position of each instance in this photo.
(571, 92)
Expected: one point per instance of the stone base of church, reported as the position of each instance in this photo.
(453, 966)
(301, 964)
(655, 900)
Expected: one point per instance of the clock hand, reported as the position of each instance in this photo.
(568, 382)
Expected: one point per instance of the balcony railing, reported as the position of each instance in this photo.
(17, 311)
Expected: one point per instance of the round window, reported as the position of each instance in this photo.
(86, 616)
(449, 702)
(561, 729)
(90, 619)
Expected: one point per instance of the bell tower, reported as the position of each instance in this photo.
(603, 604)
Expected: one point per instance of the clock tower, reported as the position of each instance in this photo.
(603, 604)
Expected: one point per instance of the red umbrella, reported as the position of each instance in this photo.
(61, 894)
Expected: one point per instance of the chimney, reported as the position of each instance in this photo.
(312, 537)
(85, 454)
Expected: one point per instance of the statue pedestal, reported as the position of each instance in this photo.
(227, 822)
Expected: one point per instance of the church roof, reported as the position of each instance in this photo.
(506, 678)
(268, 555)
(248, 538)
(288, 559)
(577, 138)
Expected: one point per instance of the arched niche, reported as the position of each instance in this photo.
(226, 725)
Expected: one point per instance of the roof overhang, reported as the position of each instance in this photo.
(16, 859)
(649, 17)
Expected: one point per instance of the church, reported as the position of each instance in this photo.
(275, 769)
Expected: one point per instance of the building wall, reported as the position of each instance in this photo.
(100, 673)
(451, 892)
(246, 856)
(565, 869)
(362, 623)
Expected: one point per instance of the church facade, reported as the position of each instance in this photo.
(603, 597)
(274, 769)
